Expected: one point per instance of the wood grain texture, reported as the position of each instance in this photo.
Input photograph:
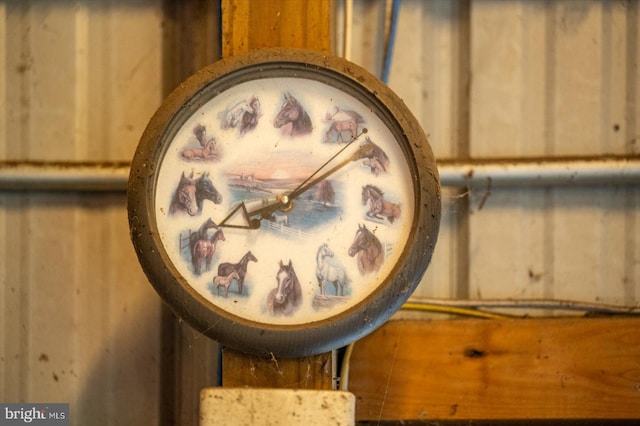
(248, 25)
(512, 369)
(239, 369)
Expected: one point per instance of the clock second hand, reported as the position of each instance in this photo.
(284, 202)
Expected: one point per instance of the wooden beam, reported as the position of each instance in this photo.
(191, 38)
(252, 24)
(248, 25)
(499, 369)
(239, 369)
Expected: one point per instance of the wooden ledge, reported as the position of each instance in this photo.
(579, 368)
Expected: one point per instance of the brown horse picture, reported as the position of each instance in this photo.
(368, 250)
(374, 157)
(204, 250)
(343, 121)
(205, 153)
(184, 197)
(225, 268)
(292, 118)
(201, 233)
(378, 206)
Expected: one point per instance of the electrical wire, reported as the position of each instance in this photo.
(425, 307)
(557, 304)
(392, 9)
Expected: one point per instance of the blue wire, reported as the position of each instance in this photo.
(392, 40)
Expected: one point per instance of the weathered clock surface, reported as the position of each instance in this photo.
(290, 202)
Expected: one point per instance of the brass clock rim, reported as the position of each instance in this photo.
(241, 333)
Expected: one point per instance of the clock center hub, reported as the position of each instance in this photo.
(286, 203)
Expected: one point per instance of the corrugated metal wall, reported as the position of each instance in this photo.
(78, 321)
(523, 79)
(487, 79)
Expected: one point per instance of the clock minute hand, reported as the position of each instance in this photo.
(284, 202)
(310, 181)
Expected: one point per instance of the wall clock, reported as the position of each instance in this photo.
(284, 202)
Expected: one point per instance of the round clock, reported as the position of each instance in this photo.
(284, 202)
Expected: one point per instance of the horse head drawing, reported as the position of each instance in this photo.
(184, 197)
(367, 249)
(206, 191)
(286, 298)
(292, 118)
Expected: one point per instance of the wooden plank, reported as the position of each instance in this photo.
(240, 370)
(190, 39)
(499, 369)
(248, 25)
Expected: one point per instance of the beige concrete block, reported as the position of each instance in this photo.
(244, 406)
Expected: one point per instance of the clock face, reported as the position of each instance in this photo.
(289, 207)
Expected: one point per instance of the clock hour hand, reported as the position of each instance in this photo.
(248, 219)
(250, 223)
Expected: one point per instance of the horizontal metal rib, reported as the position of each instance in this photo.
(71, 176)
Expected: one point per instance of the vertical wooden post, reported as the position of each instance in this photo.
(252, 24)
(248, 25)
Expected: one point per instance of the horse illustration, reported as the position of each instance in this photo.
(224, 269)
(378, 206)
(286, 298)
(206, 191)
(329, 272)
(207, 152)
(374, 165)
(368, 249)
(220, 281)
(200, 132)
(342, 121)
(374, 157)
(325, 193)
(292, 118)
(280, 219)
(204, 250)
(244, 113)
(184, 198)
(201, 233)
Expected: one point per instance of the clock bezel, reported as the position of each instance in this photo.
(230, 329)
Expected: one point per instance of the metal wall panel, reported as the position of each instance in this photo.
(78, 321)
(80, 78)
(554, 79)
(522, 79)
